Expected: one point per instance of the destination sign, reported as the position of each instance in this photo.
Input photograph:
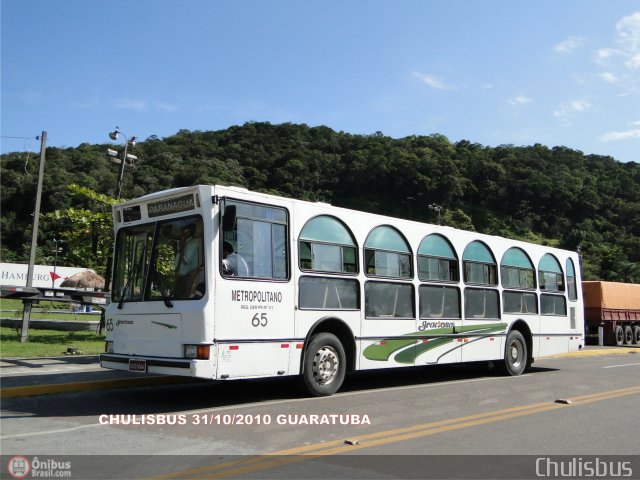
(172, 205)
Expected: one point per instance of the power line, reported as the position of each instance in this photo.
(37, 137)
(26, 147)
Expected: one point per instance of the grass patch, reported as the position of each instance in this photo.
(45, 310)
(48, 343)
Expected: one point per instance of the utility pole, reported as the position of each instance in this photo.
(26, 314)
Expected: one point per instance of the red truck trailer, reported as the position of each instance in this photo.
(615, 307)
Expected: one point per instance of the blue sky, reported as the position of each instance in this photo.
(494, 72)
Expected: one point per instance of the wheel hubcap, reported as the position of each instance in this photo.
(516, 354)
(325, 365)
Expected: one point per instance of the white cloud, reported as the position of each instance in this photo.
(569, 109)
(165, 107)
(604, 54)
(32, 97)
(520, 100)
(627, 48)
(628, 29)
(568, 46)
(609, 77)
(633, 63)
(142, 105)
(433, 81)
(91, 104)
(130, 104)
(624, 135)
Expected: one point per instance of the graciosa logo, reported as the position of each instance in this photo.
(18, 467)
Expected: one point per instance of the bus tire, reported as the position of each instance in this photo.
(619, 335)
(628, 335)
(515, 354)
(325, 365)
(636, 335)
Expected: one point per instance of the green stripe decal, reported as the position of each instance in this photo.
(387, 347)
(411, 348)
(409, 356)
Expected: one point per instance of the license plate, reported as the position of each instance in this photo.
(137, 365)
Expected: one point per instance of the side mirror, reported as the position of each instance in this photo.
(229, 218)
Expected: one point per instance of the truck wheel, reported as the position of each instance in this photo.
(515, 354)
(619, 334)
(636, 335)
(628, 335)
(325, 365)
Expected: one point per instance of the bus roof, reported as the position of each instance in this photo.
(267, 197)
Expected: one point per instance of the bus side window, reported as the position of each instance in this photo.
(254, 241)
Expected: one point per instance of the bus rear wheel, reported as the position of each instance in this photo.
(516, 358)
(325, 365)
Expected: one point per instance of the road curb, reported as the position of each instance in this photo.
(598, 352)
(90, 385)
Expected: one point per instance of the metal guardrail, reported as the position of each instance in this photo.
(70, 295)
(34, 295)
(41, 311)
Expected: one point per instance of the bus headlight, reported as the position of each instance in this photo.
(108, 347)
(200, 352)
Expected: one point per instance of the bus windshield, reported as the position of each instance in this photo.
(160, 261)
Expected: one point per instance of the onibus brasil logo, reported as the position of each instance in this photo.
(18, 466)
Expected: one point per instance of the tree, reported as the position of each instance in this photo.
(86, 233)
(546, 195)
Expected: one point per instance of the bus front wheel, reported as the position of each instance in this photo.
(515, 354)
(324, 365)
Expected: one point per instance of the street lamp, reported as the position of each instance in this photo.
(114, 136)
(436, 208)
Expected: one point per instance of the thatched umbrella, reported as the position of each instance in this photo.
(86, 279)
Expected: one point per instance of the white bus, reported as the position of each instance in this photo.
(222, 283)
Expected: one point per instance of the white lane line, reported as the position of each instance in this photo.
(49, 370)
(625, 365)
(50, 432)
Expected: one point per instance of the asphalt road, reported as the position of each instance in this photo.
(382, 424)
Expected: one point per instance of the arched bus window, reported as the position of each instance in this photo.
(387, 254)
(436, 260)
(326, 245)
(517, 273)
(479, 265)
(551, 279)
(572, 286)
(480, 269)
(550, 274)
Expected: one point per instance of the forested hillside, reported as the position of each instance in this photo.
(554, 195)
